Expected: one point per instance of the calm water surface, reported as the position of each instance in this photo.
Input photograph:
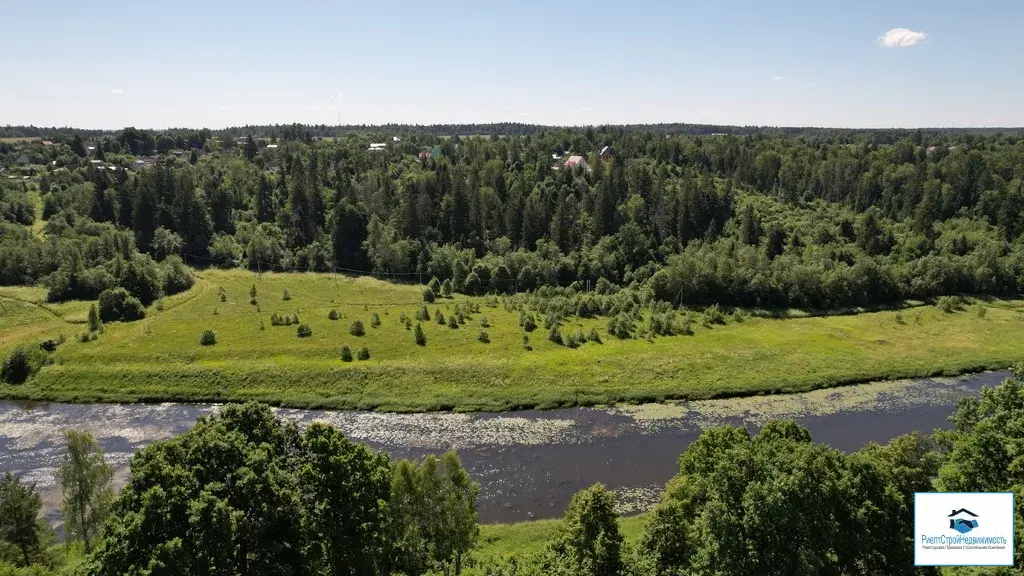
(528, 464)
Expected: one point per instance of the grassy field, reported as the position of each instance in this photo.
(160, 358)
(525, 538)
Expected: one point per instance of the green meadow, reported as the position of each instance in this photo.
(160, 358)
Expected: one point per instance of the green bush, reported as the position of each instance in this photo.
(713, 315)
(452, 322)
(434, 285)
(346, 353)
(94, 319)
(593, 336)
(253, 301)
(363, 354)
(574, 340)
(117, 305)
(208, 338)
(286, 295)
(252, 291)
(526, 343)
(483, 337)
(421, 338)
(529, 324)
(408, 324)
(423, 315)
(85, 337)
(357, 329)
(332, 315)
(446, 288)
(428, 295)
(555, 335)
(950, 304)
(402, 318)
(374, 320)
(304, 331)
(484, 323)
(177, 277)
(440, 317)
(21, 363)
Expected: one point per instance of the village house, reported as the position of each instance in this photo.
(576, 161)
(607, 153)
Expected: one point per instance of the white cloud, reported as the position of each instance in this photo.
(776, 78)
(332, 109)
(901, 38)
(117, 91)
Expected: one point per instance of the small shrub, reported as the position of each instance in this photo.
(357, 329)
(276, 320)
(899, 318)
(982, 311)
(421, 338)
(403, 318)
(428, 295)
(94, 318)
(346, 353)
(332, 315)
(423, 315)
(295, 319)
(593, 336)
(374, 320)
(286, 295)
(253, 301)
(452, 322)
(117, 305)
(484, 323)
(483, 337)
(440, 318)
(160, 305)
(526, 343)
(738, 316)
(363, 354)
(446, 288)
(304, 331)
(529, 324)
(252, 292)
(950, 304)
(408, 324)
(434, 285)
(555, 335)
(208, 338)
(262, 325)
(687, 327)
(620, 326)
(223, 297)
(21, 363)
(460, 318)
(713, 315)
(85, 337)
(215, 311)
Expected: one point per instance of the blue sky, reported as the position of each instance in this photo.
(216, 63)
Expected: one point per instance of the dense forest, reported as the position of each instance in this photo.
(245, 492)
(817, 219)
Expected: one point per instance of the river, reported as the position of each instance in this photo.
(529, 463)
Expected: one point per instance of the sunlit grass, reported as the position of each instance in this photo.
(160, 358)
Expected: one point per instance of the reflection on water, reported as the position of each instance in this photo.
(529, 464)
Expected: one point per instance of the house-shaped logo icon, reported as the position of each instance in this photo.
(963, 520)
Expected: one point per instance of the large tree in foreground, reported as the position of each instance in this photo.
(244, 492)
(85, 480)
(19, 513)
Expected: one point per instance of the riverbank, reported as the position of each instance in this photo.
(529, 464)
(159, 359)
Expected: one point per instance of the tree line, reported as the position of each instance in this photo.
(767, 219)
